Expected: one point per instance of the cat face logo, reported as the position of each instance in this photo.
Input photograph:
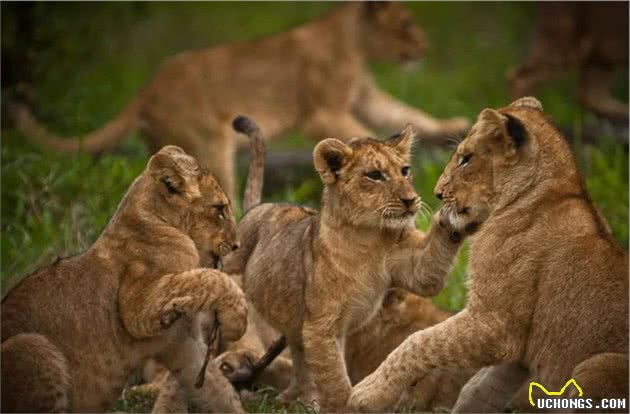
(554, 393)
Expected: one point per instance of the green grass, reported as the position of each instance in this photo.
(90, 59)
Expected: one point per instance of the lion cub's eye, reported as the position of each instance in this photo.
(465, 159)
(405, 171)
(220, 209)
(226, 368)
(375, 175)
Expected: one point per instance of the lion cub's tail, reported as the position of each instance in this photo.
(103, 139)
(253, 188)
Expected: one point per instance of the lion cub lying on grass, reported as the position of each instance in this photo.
(73, 332)
(315, 277)
(549, 290)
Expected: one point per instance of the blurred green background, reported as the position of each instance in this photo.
(89, 59)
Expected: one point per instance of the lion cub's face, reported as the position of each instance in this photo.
(201, 207)
(232, 361)
(492, 165)
(391, 33)
(369, 182)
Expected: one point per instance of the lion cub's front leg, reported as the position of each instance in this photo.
(150, 307)
(422, 262)
(324, 347)
(462, 341)
(382, 111)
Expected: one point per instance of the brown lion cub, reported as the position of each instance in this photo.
(315, 277)
(549, 289)
(314, 78)
(73, 332)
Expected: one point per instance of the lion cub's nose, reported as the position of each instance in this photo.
(408, 202)
(235, 246)
(439, 195)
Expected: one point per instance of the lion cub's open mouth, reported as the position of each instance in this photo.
(216, 262)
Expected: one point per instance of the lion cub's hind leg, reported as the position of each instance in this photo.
(301, 386)
(35, 376)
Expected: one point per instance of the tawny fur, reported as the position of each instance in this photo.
(315, 277)
(73, 332)
(590, 37)
(236, 355)
(401, 314)
(170, 396)
(549, 285)
(313, 78)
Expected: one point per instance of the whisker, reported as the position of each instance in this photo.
(425, 212)
(426, 205)
(452, 140)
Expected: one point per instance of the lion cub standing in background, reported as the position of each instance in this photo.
(315, 277)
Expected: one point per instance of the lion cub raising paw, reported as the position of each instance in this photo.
(549, 292)
(315, 277)
(73, 332)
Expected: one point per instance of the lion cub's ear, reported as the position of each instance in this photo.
(328, 157)
(527, 102)
(176, 171)
(511, 131)
(403, 141)
(491, 117)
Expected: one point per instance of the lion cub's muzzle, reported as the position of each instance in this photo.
(223, 250)
(226, 247)
(410, 204)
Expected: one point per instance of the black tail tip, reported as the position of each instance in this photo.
(244, 125)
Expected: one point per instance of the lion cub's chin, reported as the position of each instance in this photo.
(401, 222)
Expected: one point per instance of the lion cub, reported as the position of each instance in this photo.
(315, 277)
(314, 79)
(73, 332)
(549, 292)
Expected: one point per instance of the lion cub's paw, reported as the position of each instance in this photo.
(458, 225)
(374, 394)
(232, 314)
(175, 309)
(297, 393)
